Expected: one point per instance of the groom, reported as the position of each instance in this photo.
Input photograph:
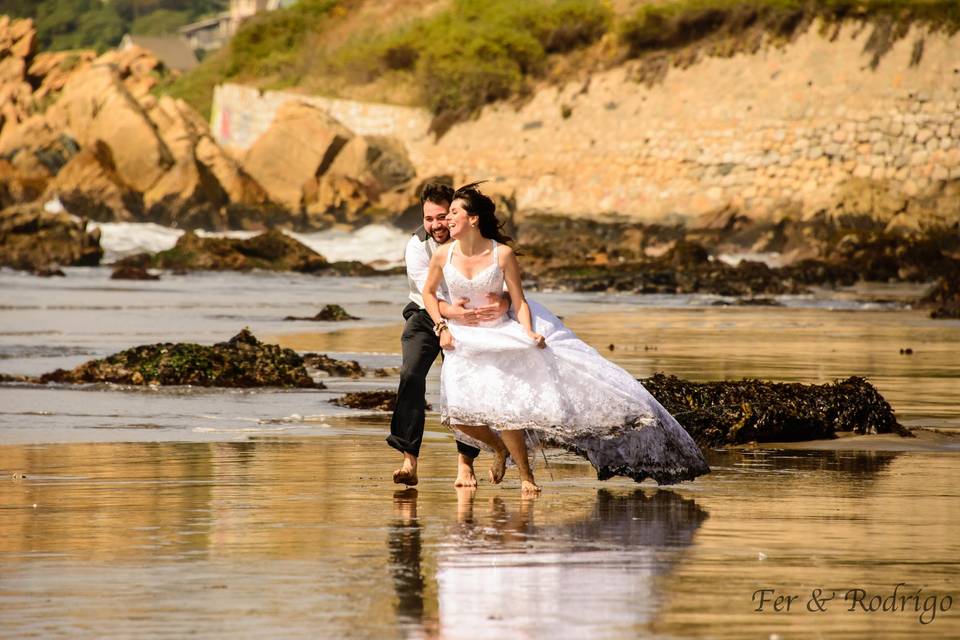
(421, 345)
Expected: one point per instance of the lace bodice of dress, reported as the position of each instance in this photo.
(475, 289)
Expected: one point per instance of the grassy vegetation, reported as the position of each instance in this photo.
(478, 51)
(675, 24)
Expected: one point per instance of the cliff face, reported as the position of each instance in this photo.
(823, 123)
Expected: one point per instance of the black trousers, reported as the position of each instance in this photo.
(420, 349)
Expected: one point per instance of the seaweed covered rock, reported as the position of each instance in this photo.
(128, 272)
(243, 361)
(665, 275)
(332, 366)
(329, 313)
(273, 250)
(736, 412)
(33, 240)
(944, 298)
(630, 256)
(379, 400)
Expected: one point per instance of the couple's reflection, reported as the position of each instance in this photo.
(499, 570)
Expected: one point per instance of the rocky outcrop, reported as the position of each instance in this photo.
(243, 361)
(88, 182)
(34, 240)
(128, 272)
(332, 366)
(86, 130)
(299, 146)
(329, 313)
(635, 257)
(274, 251)
(375, 400)
(943, 299)
(365, 178)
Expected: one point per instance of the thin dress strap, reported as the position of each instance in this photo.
(450, 251)
(496, 259)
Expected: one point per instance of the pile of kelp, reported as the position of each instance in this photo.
(723, 413)
(243, 361)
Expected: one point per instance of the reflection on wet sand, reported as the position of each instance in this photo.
(500, 573)
(407, 566)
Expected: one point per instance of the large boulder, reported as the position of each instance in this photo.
(96, 106)
(300, 145)
(243, 361)
(239, 186)
(52, 69)
(203, 180)
(18, 37)
(379, 162)
(88, 185)
(32, 239)
(352, 188)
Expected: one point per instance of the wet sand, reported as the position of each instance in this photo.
(253, 513)
(306, 537)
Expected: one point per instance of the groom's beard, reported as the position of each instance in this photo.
(440, 236)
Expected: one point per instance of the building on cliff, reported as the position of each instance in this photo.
(213, 33)
(174, 52)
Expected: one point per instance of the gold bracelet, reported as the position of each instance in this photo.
(438, 327)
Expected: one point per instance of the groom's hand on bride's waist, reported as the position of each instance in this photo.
(496, 306)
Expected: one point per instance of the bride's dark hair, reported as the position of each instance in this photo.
(477, 204)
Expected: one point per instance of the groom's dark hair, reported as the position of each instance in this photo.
(437, 193)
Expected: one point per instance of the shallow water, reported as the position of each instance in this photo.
(305, 537)
(253, 513)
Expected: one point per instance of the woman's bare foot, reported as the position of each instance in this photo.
(465, 475)
(529, 489)
(499, 466)
(407, 473)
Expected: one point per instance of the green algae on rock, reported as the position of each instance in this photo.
(242, 362)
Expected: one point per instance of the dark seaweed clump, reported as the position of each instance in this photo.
(243, 361)
(717, 414)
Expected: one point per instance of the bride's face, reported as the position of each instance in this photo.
(458, 220)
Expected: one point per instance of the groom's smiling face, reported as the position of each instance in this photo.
(435, 221)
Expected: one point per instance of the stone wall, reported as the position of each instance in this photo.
(241, 114)
(790, 129)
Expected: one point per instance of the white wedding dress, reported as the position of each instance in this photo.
(566, 395)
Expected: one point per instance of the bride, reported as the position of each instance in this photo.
(525, 379)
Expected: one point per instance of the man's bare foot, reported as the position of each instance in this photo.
(465, 476)
(529, 489)
(407, 473)
(499, 466)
